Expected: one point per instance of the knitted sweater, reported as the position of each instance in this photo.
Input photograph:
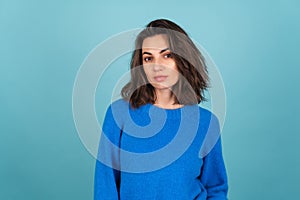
(165, 154)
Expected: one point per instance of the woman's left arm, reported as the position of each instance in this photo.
(213, 174)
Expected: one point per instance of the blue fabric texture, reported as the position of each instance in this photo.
(152, 153)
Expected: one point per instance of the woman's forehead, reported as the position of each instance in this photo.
(156, 42)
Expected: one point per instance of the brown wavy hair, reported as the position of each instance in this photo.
(190, 63)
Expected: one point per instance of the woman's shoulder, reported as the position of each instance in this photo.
(204, 111)
(207, 115)
(123, 107)
(119, 105)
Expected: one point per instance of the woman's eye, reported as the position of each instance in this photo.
(168, 55)
(147, 59)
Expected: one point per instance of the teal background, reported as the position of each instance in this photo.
(43, 43)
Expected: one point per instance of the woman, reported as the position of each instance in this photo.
(152, 146)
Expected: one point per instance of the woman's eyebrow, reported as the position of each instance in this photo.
(147, 53)
(163, 50)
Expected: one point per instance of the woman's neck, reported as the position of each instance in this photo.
(165, 99)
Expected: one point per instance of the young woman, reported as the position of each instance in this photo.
(152, 146)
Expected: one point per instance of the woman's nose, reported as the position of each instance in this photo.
(157, 65)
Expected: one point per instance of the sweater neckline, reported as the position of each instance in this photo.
(175, 113)
(166, 109)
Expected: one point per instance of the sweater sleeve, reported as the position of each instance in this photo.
(213, 175)
(107, 175)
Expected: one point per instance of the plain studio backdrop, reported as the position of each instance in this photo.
(43, 44)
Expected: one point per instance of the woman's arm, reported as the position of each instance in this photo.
(213, 174)
(107, 177)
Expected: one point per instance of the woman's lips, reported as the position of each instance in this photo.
(160, 78)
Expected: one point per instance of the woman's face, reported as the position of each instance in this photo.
(158, 63)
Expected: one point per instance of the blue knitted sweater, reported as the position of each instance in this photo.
(165, 154)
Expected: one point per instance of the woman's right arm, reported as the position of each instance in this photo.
(107, 177)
